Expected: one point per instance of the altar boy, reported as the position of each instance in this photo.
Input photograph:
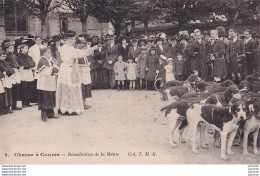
(46, 85)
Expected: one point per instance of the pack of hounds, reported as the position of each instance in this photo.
(230, 111)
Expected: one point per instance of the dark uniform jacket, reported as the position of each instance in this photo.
(250, 48)
(234, 53)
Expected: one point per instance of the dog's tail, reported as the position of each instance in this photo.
(156, 88)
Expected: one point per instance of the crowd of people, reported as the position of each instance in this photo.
(61, 71)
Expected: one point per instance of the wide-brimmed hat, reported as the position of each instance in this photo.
(170, 59)
(7, 45)
(111, 37)
(134, 39)
(121, 38)
(184, 37)
(55, 38)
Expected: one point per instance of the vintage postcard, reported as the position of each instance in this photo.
(129, 82)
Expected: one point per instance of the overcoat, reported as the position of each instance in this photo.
(141, 65)
(250, 48)
(217, 48)
(196, 54)
(234, 50)
(111, 55)
(152, 65)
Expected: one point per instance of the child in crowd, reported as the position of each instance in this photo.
(169, 76)
(6, 82)
(47, 85)
(179, 67)
(151, 67)
(27, 64)
(141, 65)
(120, 72)
(131, 73)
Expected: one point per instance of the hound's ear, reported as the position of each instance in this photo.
(251, 107)
(247, 110)
(233, 110)
(228, 94)
(230, 109)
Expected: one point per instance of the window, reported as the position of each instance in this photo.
(15, 18)
(63, 24)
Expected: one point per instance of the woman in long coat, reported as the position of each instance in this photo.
(151, 67)
(141, 65)
(102, 73)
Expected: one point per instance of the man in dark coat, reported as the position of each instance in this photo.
(196, 53)
(183, 49)
(250, 48)
(235, 55)
(111, 58)
(215, 50)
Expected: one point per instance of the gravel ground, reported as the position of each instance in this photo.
(115, 130)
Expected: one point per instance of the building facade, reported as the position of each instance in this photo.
(15, 22)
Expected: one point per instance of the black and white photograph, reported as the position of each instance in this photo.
(130, 82)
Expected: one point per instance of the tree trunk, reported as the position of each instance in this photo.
(84, 25)
(133, 27)
(117, 27)
(232, 19)
(43, 28)
(181, 23)
(146, 26)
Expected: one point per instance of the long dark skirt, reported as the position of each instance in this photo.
(94, 78)
(26, 91)
(8, 97)
(5, 100)
(102, 81)
(16, 93)
(46, 99)
(34, 92)
(2, 103)
(86, 91)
